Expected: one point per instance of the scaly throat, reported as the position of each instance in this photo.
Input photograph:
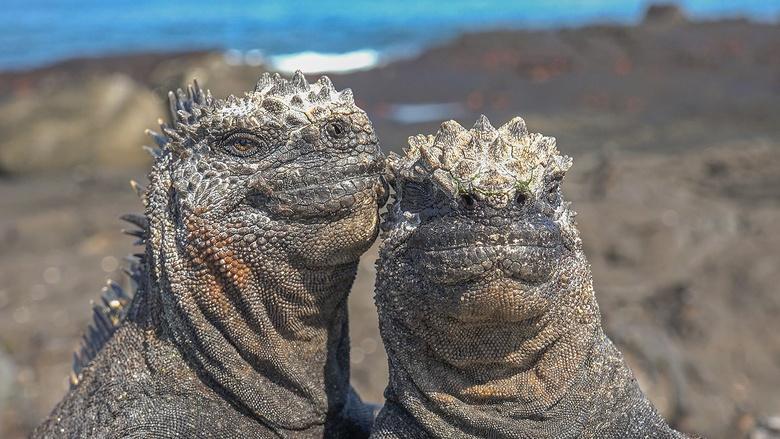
(452, 376)
(271, 336)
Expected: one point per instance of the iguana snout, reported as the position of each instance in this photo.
(454, 250)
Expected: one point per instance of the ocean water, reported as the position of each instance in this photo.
(336, 34)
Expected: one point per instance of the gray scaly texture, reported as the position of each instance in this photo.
(485, 299)
(257, 210)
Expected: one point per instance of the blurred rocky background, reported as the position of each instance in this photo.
(674, 125)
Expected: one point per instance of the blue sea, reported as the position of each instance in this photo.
(346, 34)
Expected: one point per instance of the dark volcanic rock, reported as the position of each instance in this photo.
(664, 14)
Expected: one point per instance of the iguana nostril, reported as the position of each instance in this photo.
(468, 201)
(521, 198)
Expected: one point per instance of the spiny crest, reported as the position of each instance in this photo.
(106, 317)
(114, 302)
(482, 159)
(142, 227)
(298, 93)
(185, 108)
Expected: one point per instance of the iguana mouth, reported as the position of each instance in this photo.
(457, 265)
(475, 235)
(328, 176)
(354, 184)
(337, 198)
(482, 246)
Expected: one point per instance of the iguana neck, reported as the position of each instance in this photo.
(543, 382)
(256, 326)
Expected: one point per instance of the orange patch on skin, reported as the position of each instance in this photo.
(488, 391)
(443, 398)
(218, 255)
(214, 290)
(232, 267)
(529, 388)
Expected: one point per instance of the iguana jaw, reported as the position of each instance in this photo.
(473, 315)
(527, 264)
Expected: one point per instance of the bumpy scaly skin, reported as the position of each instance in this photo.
(485, 299)
(257, 211)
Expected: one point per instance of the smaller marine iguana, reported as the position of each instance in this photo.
(485, 299)
(257, 210)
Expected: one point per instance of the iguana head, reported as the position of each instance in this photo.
(479, 237)
(291, 165)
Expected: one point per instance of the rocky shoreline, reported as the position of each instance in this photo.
(674, 129)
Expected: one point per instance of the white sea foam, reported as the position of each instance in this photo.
(315, 62)
(425, 112)
(236, 57)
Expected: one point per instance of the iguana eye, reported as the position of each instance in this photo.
(243, 144)
(336, 129)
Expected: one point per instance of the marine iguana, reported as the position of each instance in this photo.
(256, 212)
(485, 298)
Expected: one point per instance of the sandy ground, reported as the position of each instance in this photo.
(676, 138)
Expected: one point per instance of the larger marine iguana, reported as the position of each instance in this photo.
(257, 210)
(485, 299)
